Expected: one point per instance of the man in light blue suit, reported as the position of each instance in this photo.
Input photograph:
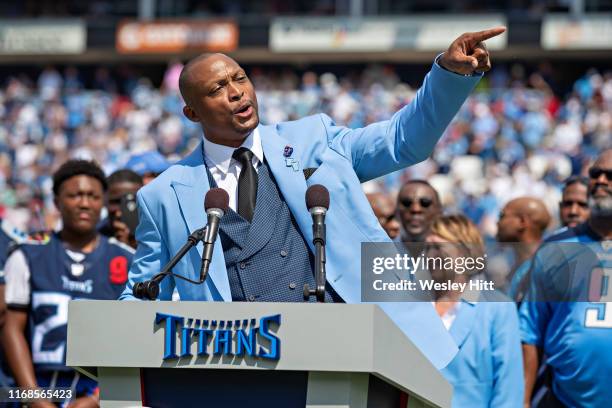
(264, 248)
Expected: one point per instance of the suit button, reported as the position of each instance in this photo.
(292, 285)
(242, 265)
(251, 298)
(283, 253)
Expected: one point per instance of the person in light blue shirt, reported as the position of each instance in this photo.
(266, 170)
(567, 313)
(487, 371)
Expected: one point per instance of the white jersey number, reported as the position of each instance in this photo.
(600, 289)
(60, 318)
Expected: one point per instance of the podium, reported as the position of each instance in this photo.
(214, 354)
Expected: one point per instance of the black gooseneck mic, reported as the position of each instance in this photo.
(216, 203)
(317, 202)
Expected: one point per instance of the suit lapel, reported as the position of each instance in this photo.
(190, 190)
(465, 320)
(290, 182)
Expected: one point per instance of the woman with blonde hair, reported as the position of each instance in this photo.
(487, 371)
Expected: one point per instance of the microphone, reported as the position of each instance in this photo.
(317, 202)
(216, 203)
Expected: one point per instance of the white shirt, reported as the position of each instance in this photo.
(226, 170)
(449, 316)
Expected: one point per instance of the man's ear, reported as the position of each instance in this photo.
(190, 114)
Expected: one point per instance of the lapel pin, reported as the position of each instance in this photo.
(291, 162)
(288, 151)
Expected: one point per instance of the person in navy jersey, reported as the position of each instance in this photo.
(9, 237)
(75, 263)
(567, 313)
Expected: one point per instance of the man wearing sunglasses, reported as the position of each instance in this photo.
(574, 206)
(574, 336)
(418, 204)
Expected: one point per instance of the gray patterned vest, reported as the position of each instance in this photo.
(267, 260)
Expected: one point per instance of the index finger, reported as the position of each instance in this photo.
(486, 34)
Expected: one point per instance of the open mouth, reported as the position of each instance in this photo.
(243, 109)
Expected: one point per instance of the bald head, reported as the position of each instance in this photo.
(220, 97)
(523, 219)
(384, 209)
(188, 77)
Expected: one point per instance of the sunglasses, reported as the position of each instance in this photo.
(423, 202)
(596, 172)
(384, 219)
(569, 203)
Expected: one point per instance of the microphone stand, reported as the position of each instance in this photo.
(318, 229)
(150, 289)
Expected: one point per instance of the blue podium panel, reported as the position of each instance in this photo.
(184, 388)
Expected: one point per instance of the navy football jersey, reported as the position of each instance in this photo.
(43, 278)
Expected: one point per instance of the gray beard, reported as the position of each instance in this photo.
(601, 208)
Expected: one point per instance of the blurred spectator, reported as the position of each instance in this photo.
(171, 77)
(515, 136)
(10, 237)
(49, 84)
(418, 204)
(148, 165)
(559, 327)
(522, 223)
(487, 370)
(574, 206)
(384, 209)
(120, 196)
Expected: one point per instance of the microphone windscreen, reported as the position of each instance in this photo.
(317, 196)
(216, 198)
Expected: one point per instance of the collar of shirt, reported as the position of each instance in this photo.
(448, 318)
(220, 156)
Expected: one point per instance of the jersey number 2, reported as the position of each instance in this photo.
(40, 353)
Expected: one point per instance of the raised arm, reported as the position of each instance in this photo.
(411, 134)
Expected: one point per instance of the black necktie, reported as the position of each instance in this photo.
(247, 183)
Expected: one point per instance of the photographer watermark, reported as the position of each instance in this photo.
(405, 272)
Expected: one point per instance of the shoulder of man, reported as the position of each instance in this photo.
(312, 126)
(11, 232)
(574, 234)
(120, 247)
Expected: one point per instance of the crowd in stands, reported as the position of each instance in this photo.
(515, 136)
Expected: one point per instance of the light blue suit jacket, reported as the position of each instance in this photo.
(172, 205)
(488, 370)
